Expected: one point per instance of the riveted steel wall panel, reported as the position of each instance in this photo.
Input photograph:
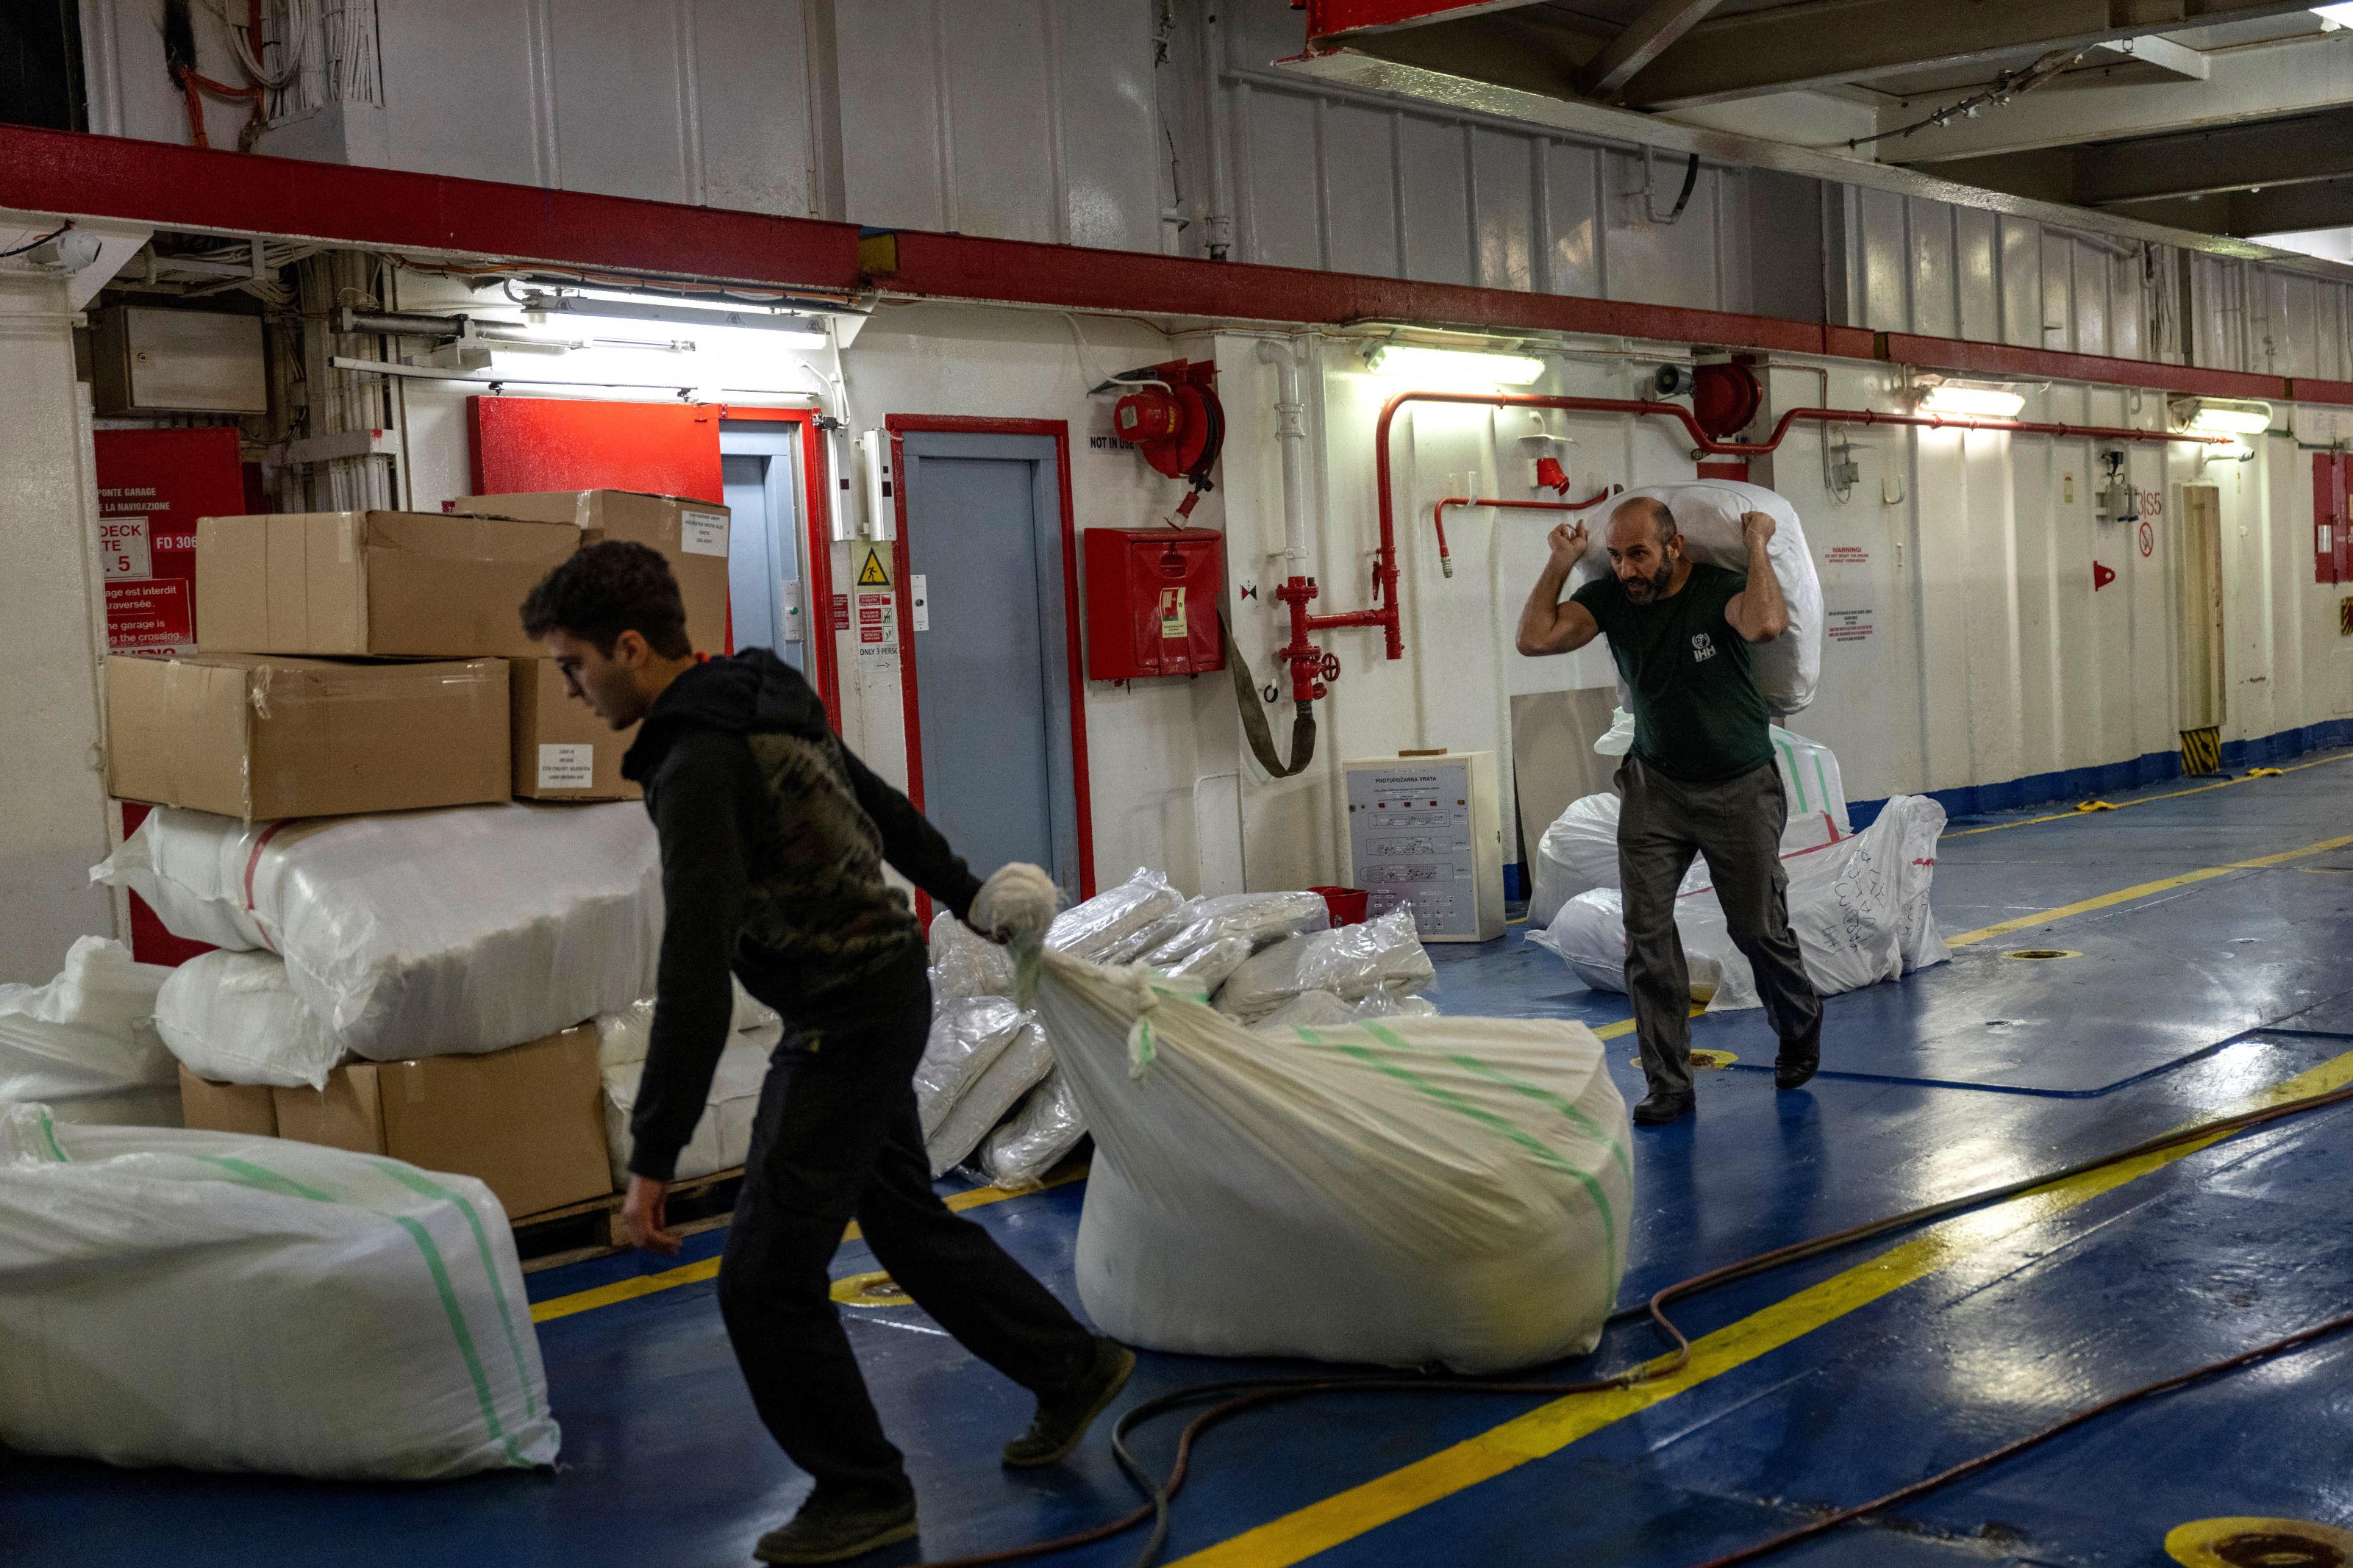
(1936, 309)
(1003, 150)
(1572, 196)
(1882, 267)
(622, 126)
(1360, 196)
(1279, 207)
(1434, 200)
(473, 113)
(1112, 148)
(749, 75)
(893, 114)
(1503, 189)
(1977, 276)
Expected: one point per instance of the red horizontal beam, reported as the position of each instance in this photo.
(1328, 19)
(393, 209)
(2304, 389)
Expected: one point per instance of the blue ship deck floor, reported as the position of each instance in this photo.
(2213, 978)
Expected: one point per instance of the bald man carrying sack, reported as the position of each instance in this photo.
(1699, 779)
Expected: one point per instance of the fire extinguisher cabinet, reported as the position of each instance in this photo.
(1152, 602)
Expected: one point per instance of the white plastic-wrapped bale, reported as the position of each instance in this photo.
(1017, 1068)
(227, 1304)
(421, 934)
(1257, 919)
(1351, 962)
(1406, 1191)
(1858, 907)
(1110, 927)
(966, 963)
(723, 1134)
(1707, 514)
(85, 1044)
(233, 1018)
(1026, 1146)
(624, 1035)
(968, 1034)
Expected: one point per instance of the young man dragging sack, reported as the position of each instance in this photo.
(773, 837)
(1700, 780)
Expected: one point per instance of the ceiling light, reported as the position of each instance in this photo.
(1451, 367)
(1971, 399)
(2334, 16)
(585, 307)
(2222, 415)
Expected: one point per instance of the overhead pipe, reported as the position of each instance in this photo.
(1298, 591)
(1438, 514)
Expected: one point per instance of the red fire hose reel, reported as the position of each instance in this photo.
(1176, 422)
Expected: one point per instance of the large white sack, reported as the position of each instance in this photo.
(1858, 907)
(422, 932)
(1427, 1189)
(1579, 851)
(1351, 962)
(230, 1303)
(722, 1133)
(1707, 515)
(1032, 1141)
(626, 1036)
(233, 1018)
(1017, 1068)
(967, 1034)
(85, 1044)
(1119, 923)
(966, 963)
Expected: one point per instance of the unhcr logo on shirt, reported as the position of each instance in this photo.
(1703, 647)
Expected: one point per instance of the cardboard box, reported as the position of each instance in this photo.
(253, 737)
(691, 535)
(241, 1108)
(528, 1121)
(562, 750)
(384, 583)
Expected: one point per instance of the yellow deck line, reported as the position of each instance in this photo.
(2144, 800)
(629, 1289)
(1321, 1526)
(2143, 890)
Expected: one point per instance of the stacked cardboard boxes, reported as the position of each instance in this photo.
(357, 663)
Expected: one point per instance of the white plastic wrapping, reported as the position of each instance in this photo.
(1859, 909)
(625, 1036)
(966, 963)
(1031, 1142)
(85, 1044)
(1309, 1008)
(993, 1091)
(1108, 927)
(723, 1134)
(1256, 917)
(1351, 962)
(968, 1033)
(421, 934)
(233, 1018)
(1579, 851)
(1211, 965)
(1707, 515)
(227, 1303)
(1415, 1191)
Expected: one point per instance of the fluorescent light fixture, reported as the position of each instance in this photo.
(1451, 367)
(1971, 400)
(2222, 415)
(586, 306)
(2334, 16)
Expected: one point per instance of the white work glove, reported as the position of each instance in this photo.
(1016, 905)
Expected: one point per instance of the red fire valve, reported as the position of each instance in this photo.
(1549, 477)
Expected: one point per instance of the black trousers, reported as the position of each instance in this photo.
(838, 1137)
(1736, 824)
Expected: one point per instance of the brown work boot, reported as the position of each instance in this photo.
(1061, 1423)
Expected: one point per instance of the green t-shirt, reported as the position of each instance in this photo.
(1698, 716)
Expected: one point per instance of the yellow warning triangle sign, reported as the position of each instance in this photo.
(871, 575)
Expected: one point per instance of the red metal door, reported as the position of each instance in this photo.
(525, 443)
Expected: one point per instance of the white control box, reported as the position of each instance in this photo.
(1426, 829)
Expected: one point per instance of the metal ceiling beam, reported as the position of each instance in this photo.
(2276, 209)
(2158, 168)
(2163, 54)
(1792, 47)
(1645, 39)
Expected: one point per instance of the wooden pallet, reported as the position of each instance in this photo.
(593, 1228)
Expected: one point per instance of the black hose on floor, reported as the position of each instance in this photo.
(1238, 1396)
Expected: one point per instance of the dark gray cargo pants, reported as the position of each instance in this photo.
(1736, 826)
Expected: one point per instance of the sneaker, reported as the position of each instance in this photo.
(1061, 1423)
(835, 1531)
(1659, 1108)
(1798, 1058)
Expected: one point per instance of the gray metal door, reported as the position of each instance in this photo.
(988, 637)
(763, 538)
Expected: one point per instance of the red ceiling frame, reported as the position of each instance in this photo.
(151, 181)
(901, 426)
(1328, 20)
(817, 488)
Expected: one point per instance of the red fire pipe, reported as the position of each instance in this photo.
(1307, 663)
(1438, 515)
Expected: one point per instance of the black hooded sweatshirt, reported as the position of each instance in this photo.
(772, 839)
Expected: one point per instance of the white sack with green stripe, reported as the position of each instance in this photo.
(227, 1304)
(1403, 1191)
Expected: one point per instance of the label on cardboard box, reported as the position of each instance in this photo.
(567, 767)
(703, 533)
